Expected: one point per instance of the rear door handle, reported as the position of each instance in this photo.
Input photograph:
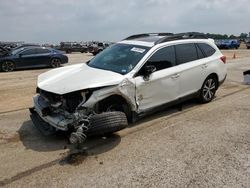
(175, 76)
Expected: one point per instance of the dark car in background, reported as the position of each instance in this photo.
(25, 45)
(3, 51)
(248, 43)
(32, 57)
(228, 44)
(97, 48)
(70, 47)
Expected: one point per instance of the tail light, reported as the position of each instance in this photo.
(224, 59)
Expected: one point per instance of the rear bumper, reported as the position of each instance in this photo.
(65, 60)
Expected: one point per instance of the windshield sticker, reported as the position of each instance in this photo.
(139, 50)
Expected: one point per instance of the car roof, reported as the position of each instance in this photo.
(35, 47)
(152, 39)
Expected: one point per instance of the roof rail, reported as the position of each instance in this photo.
(180, 36)
(147, 35)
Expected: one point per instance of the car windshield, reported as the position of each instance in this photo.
(14, 52)
(120, 58)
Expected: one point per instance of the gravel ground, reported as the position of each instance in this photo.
(201, 146)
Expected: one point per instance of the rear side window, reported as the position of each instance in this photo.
(163, 58)
(29, 52)
(207, 49)
(186, 53)
(42, 51)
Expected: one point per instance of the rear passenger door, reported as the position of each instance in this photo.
(162, 86)
(190, 60)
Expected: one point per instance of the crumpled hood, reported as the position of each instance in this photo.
(76, 77)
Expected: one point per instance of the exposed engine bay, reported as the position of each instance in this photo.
(64, 112)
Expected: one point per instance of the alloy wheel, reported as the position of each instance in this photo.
(209, 89)
(8, 66)
(55, 63)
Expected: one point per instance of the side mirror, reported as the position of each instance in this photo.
(148, 70)
(20, 55)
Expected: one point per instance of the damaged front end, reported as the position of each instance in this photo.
(53, 112)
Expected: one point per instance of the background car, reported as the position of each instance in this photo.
(25, 45)
(29, 57)
(70, 47)
(97, 48)
(3, 51)
(248, 43)
(228, 44)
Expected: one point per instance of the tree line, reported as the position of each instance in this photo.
(225, 36)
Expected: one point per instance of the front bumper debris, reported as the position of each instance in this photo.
(41, 125)
(56, 120)
(48, 121)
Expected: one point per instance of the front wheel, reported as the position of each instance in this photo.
(55, 62)
(208, 89)
(8, 66)
(107, 123)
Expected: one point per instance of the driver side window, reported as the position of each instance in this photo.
(161, 59)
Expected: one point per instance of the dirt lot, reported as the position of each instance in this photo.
(201, 146)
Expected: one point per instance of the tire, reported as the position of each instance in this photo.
(116, 104)
(55, 62)
(7, 66)
(208, 89)
(107, 123)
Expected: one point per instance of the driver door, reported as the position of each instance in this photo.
(27, 57)
(161, 86)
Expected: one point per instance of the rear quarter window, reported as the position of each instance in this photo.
(207, 49)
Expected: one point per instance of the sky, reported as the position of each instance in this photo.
(52, 21)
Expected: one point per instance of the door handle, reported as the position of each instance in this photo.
(175, 76)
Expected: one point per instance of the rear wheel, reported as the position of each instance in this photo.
(208, 89)
(55, 62)
(8, 66)
(107, 123)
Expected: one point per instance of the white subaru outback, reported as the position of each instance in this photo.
(133, 77)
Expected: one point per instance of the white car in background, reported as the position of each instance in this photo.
(133, 77)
